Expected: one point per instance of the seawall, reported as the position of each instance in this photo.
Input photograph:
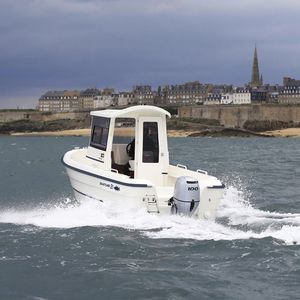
(238, 115)
(10, 116)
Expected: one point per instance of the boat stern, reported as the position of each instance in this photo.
(210, 199)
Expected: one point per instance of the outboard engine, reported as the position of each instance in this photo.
(186, 196)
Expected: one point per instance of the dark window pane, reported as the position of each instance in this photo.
(150, 142)
(97, 134)
(104, 136)
(100, 132)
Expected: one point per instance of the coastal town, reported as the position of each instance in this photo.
(149, 149)
(185, 94)
(199, 108)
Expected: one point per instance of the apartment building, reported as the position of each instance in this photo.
(60, 101)
(185, 94)
(143, 94)
(87, 96)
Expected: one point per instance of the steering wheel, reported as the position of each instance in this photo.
(130, 148)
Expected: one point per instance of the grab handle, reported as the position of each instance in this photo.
(202, 171)
(181, 166)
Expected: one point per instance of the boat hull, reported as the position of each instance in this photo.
(117, 188)
(100, 189)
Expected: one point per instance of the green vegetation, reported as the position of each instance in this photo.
(259, 126)
(39, 126)
(209, 122)
(18, 110)
(192, 124)
(46, 113)
(177, 125)
(227, 132)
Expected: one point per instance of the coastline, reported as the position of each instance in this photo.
(86, 132)
(127, 131)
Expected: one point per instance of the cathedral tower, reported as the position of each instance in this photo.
(256, 78)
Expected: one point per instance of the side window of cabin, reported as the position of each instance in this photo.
(100, 127)
(150, 142)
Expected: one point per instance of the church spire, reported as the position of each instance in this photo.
(255, 78)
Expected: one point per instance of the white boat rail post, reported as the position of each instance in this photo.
(110, 142)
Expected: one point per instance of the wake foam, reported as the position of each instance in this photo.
(240, 212)
(236, 219)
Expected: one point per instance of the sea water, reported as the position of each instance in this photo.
(53, 247)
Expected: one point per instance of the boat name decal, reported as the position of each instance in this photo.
(110, 186)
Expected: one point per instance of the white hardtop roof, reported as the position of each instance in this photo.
(132, 112)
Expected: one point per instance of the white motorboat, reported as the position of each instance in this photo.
(139, 173)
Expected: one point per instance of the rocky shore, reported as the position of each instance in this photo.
(28, 126)
(176, 128)
(226, 132)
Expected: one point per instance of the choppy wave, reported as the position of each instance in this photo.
(237, 219)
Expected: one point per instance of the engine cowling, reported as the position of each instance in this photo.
(186, 197)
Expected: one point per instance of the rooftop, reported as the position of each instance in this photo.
(132, 112)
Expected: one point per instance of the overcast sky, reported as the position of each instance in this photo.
(74, 44)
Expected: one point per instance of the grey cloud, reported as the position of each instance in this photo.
(75, 44)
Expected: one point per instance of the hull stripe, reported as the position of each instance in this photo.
(86, 195)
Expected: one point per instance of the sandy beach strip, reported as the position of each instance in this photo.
(71, 132)
(125, 131)
(129, 131)
(288, 132)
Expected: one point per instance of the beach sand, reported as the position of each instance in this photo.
(125, 131)
(129, 131)
(72, 132)
(288, 132)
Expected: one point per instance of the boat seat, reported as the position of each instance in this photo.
(120, 155)
(131, 165)
(122, 169)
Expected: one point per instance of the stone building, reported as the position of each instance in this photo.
(219, 94)
(273, 92)
(105, 99)
(259, 95)
(290, 92)
(289, 95)
(287, 81)
(110, 98)
(87, 96)
(125, 98)
(213, 99)
(143, 94)
(60, 101)
(226, 98)
(241, 96)
(185, 94)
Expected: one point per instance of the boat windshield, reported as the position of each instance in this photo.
(100, 128)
